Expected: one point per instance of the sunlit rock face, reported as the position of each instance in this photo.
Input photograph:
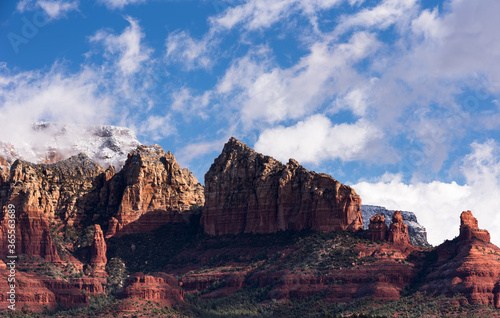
(247, 192)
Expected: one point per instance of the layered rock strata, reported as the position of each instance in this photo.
(247, 192)
(160, 288)
(156, 192)
(60, 193)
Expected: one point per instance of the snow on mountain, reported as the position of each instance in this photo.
(418, 234)
(51, 142)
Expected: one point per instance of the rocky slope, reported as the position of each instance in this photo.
(247, 192)
(418, 234)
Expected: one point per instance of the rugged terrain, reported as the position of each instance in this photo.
(262, 239)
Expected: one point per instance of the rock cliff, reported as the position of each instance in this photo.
(156, 192)
(247, 192)
(42, 194)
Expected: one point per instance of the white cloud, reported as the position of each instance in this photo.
(119, 4)
(30, 97)
(387, 13)
(127, 47)
(315, 139)
(438, 204)
(275, 94)
(355, 100)
(182, 48)
(196, 150)
(157, 127)
(259, 14)
(55, 9)
(185, 103)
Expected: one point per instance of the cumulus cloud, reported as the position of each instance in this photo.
(54, 9)
(438, 204)
(127, 47)
(316, 139)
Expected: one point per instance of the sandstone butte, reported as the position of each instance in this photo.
(156, 191)
(468, 265)
(247, 192)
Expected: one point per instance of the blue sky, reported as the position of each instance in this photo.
(397, 98)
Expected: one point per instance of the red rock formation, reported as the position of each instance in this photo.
(43, 194)
(157, 287)
(98, 258)
(154, 184)
(469, 228)
(31, 293)
(398, 231)
(75, 292)
(466, 266)
(377, 230)
(37, 294)
(32, 236)
(247, 192)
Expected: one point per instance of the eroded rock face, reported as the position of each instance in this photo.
(157, 287)
(156, 192)
(398, 231)
(247, 192)
(466, 266)
(43, 194)
(469, 228)
(37, 294)
(98, 258)
(377, 230)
